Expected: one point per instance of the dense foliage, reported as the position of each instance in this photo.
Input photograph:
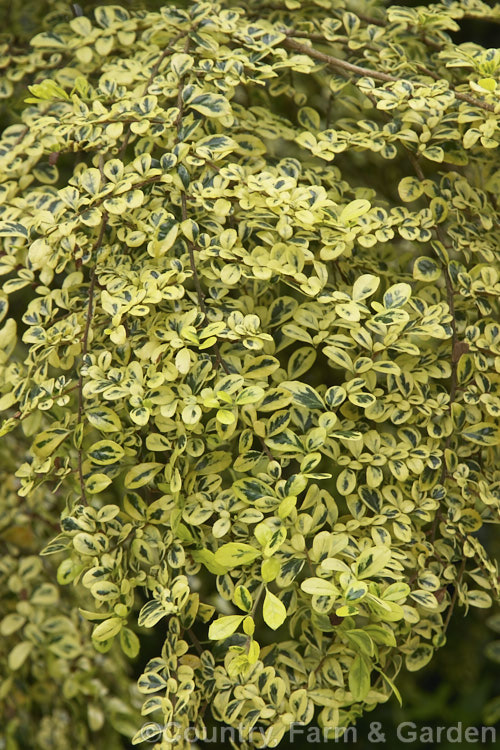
(249, 362)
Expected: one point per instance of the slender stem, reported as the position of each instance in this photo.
(336, 62)
(218, 359)
(38, 516)
(191, 246)
(455, 595)
(321, 39)
(457, 347)
(195, 641)
(85, 339)
(167, 51)
(297, 34)
(372, 21)
(258, 594)
(309, 562)
(192, 261)
(265, 448)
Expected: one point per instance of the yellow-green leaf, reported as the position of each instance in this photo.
(104, 419)
(107, 629)
(210, 105)
(359, 678)
(234, 554)
(224, 627)
(129, 642)
(319, 587)
(141, 474)
(19, 654)
(371, 561)
(354, 210)
(47, 441)
(274, 611)
(483, 433)
(365, 286)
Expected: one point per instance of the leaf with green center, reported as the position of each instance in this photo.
(483, 433)
(397, 295)
(106, 452)
(210, 105)
(303, 395)
(365, 286)
(46, 442)
(371, 561)
(141, 474)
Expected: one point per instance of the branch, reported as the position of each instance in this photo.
(357, 70)
(457, 346)
(191, 247)
(339, 39)
(336, 62)
(184, 216)
(192, 261)
(455, 595)
(372, 21)
(85, 339)
(166, 52)
(194, 640)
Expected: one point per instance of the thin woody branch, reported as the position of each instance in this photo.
(90, 312)
(360, 72)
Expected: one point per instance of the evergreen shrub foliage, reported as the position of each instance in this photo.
(249, 362)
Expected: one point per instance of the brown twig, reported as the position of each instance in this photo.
(321, 39)
(455, 594)
(191, 246)
(456, 345)
(39, 517)
(372, 21)
(166, 52)
(357, 70)
(184, 215)
(192, 260)
(195, 641)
